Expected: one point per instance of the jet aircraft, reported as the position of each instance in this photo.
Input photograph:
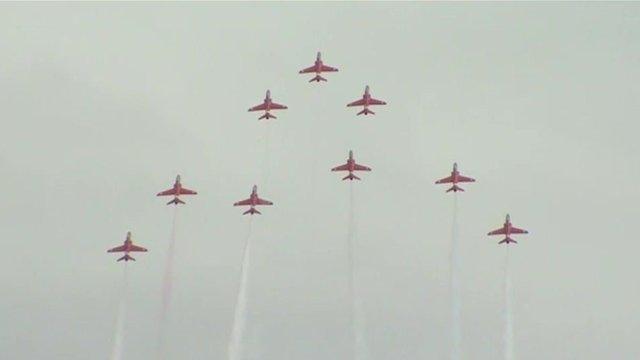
(507, 229)
(351, 166)
(454, 179)
(176, 191)
(267, 105)
(127, 248)
(253, 201)
(318, 68)
(366, 101)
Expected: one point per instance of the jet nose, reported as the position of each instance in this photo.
(178, 178)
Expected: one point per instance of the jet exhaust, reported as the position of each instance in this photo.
(118, 337)
(235, 349)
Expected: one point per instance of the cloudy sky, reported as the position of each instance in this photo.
(101, 105)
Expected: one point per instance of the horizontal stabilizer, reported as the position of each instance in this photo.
(318, 78)
(176, 201)
(267, 116)
(126, 257)
(351, 176)
(252, 211)
(455, 188)
(366, 111)
(507, 241)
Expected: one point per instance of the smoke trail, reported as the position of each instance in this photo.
(167, 284)
(357, 322)
(235, 350)
(351, 279)
(508, 319)
(118, 337)
(456, 334)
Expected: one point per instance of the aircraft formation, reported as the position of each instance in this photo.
(268, 105)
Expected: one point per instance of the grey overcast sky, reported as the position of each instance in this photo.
(101, 105)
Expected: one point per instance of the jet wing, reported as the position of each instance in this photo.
(310, 69)
(263, 202)
(465, 179)
(184, 191)
(277, 106)
(373, 101)
(120, 248)
(262, 106)
(137, 248)
(357, 103)
(344, 167)
(448, 179)
(243, 202)
(167, 192)
(361, 167)
(500, 231)
(515, 230)
(326, 68)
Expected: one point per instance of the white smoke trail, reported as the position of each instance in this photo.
(235, 349)
(167, 285)
(456, 333)
(508, 319)
(359, 346)
(351, 278)
(118, 338)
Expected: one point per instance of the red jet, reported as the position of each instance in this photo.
(267, 105)
(318, 68)
(351, 166)
(508, 229)
(127, 248)
(253, 201)
(366, 101)
(454, 179)
(176, 191)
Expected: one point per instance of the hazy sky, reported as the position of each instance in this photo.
(101, 105)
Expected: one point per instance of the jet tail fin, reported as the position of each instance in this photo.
(267, 115)
(252, 211)
(126, 257)
(176, 200)
(507, 241)
(455, 188)
(318, 78)
(366, 111)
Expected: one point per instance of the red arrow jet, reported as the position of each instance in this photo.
(253, 201)
(127, 248)
(267, 105)
(351, 166)
(366, 101)
(318, 68)
(176, 191)
(454, 179)
(508, 229)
